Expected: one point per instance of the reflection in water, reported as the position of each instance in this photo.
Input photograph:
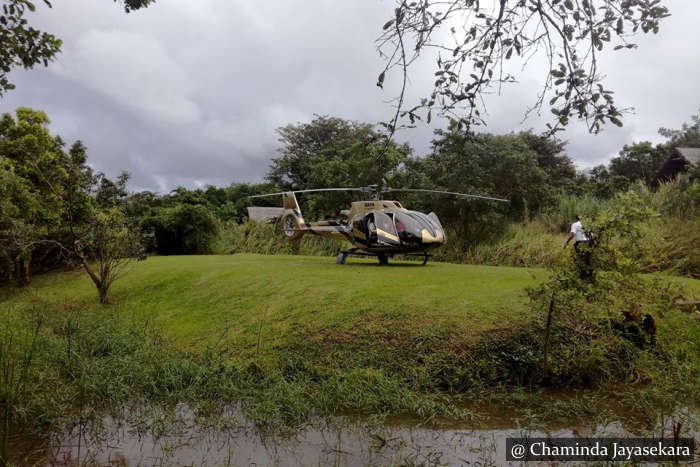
(181, 438)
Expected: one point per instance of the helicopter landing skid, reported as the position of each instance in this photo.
(383, 257)
(424, 255)
(343, 255)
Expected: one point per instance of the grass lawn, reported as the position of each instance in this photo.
(292, 336)
(237, 300)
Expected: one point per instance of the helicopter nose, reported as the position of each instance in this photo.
(428, 238)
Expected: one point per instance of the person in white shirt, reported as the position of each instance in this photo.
(583, 254)
(577, 234)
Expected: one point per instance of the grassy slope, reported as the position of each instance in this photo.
(290, 336)
(200, 300)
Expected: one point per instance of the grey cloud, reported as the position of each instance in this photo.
(190, 93)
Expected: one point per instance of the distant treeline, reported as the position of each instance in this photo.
(530, 170)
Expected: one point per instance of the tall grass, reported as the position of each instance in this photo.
(268, 239)
(559, 217)
(670, 241)
(530, 244)
(18, 346)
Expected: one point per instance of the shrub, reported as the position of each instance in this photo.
(184, 230)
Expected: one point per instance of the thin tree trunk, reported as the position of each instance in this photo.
(22, 271)
(18, 268)
(26, 264)
(99, 283)
(103, 290)
(548, 328)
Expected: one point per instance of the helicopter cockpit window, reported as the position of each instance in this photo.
(384, 223)
(408, 228)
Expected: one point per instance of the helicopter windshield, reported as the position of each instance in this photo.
(408, 227)
(433, 218)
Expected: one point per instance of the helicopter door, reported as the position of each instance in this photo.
(359, 229)
(386, 230)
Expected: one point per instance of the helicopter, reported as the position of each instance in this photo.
(377, 227)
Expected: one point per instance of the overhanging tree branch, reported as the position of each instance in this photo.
(487, 35)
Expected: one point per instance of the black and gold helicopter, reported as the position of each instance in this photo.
(378, 227)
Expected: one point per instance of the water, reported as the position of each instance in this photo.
(180, 437)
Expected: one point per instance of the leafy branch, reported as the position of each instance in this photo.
(485, 36)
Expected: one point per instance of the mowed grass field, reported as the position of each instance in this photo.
(243, 302)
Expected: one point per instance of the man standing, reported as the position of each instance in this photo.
(583, 255)
(576, 234)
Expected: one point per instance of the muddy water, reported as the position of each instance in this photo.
(181, 438)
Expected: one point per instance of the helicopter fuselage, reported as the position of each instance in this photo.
(377, 227)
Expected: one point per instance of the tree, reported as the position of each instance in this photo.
(638, 161)
(183, 229)
(51, 201)
(523, 168)
(112, 242)
(25, 46)
(332, 152)
(551, 158)
(22, 45)
(17, 207)
(111, 193)
(98, 233)
(31, 161)
(231, 203)
(475, 41)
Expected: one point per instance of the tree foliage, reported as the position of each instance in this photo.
(22, 45)
(112, 242)
(54, 206)
(332, 152)
(475, 41)
(524, 168)
(31, 161)
(638, 161)
(183, 229)
(612, 311)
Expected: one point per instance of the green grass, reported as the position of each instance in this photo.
(198, 301)
(290, 337)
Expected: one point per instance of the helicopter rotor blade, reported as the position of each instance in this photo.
(464, 195)
(314, 190)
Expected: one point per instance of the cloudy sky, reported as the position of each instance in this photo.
(191, 92)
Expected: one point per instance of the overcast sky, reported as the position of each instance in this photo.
(191, 92)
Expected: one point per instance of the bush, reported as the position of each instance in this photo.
(184, 230)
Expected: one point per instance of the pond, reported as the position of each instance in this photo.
(179, 436)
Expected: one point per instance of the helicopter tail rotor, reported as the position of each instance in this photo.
(293, 224)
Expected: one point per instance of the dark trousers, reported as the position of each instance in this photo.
(583, 259)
